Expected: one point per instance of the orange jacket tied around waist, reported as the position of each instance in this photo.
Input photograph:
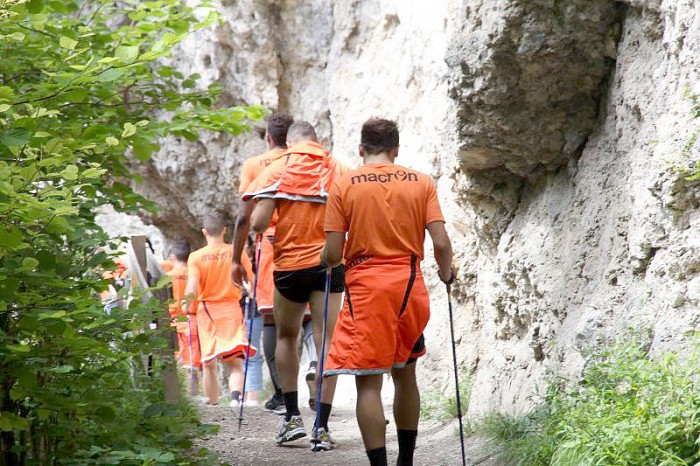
(304, 173)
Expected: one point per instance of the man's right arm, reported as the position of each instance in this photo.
(191, 288)
(240, 233)
(443, 251)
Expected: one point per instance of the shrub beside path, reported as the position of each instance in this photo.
(437, 444)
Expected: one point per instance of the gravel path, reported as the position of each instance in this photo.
(438, 444)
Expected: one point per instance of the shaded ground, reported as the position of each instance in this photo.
(438, 444)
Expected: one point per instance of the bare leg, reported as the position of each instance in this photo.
(288, 318)
(235, 376)
(211, 386)
(406, 411)
(406, 398)
(370, 414)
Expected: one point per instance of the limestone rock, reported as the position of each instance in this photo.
(551, 130)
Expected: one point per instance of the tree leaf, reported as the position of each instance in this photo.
(67, 42)
(16, 137)
(29, 263)
(10, 237)
(112, 141)
(18, 36)
(127, 53)
(70, 173)
(9, 421)
(35, 6)
(129, 130)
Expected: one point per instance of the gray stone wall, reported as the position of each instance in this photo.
(551, 129)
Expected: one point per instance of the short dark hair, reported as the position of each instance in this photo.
(181, 251)
(214, 224)
(302, 131)
(277, 126)
(379, 135)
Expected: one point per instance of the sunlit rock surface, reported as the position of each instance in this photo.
(551, 129)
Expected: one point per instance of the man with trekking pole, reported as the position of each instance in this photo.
(385, 210)
(294, 187)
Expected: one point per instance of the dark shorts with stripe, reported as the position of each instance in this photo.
(297, 285)
(381, 325)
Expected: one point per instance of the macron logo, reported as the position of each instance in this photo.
(398, 175)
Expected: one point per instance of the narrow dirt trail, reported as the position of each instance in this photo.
(438, 444)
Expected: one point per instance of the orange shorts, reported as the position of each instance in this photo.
(266, 284)
(381, 324)
(185, 357)
(221, 331)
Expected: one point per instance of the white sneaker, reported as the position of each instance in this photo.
(235, 404)
(290, 430)
(251, 403)
(322, 440)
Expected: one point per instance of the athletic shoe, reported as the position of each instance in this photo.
(251, 403)
(322, 440)
(275, 402)
(235, 404)
(288, 431)
(280, 410)
(311, 371)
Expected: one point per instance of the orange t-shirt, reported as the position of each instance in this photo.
(385, 209)
(254, 166)
(179, 274)
(211, 265)
(299, 237)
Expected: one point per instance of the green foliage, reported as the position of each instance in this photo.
(441, 405)
(629, 408)
(82, 84)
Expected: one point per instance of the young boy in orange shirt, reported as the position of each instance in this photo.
(219, 314)
(384, 209)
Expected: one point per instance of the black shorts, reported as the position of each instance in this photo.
(297, 285)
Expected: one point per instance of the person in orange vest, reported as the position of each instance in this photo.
(385, 210)
(295, 187)
(219, 314)
(189, 354)
(276, 138)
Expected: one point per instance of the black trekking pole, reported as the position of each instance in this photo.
(321, 360)
(454, 360)
(251, 306)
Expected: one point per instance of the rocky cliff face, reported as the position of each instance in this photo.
(550, 128)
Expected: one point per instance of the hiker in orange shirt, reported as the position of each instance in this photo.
(276, 138)
(295, 186)
(188, 355)
(384, 209)
(219, 314)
